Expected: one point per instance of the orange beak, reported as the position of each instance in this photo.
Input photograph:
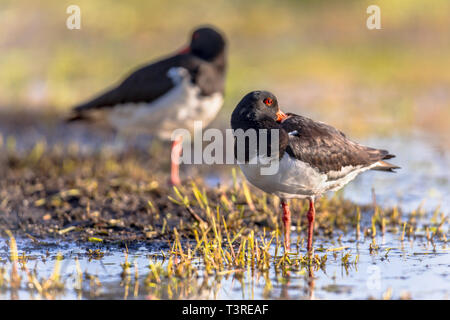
(185, 50)
(281, 116)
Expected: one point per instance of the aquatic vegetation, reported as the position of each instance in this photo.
(203, 240)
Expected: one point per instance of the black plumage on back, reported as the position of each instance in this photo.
(151, 82)
(327, 148)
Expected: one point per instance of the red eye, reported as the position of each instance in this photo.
(268, 101)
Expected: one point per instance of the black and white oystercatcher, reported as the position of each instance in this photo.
(313, 157)
(166, 95)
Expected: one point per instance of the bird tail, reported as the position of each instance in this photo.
(385, 166)
(377, 156)
(75, 117)
(79, 114)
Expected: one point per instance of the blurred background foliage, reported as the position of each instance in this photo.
(318, 57)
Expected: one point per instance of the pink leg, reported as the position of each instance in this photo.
(311, 214)
(286, 224)
(175, 158)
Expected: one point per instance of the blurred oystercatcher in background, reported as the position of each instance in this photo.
(169, 94)
(313, 157)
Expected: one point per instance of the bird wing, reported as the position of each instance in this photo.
(143, 85)
(326, 148)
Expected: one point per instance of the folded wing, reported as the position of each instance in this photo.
(144, 85)
(329, 150)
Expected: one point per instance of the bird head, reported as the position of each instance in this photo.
(259, 105)
(207, 43)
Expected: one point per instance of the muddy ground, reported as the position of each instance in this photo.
(75, 183)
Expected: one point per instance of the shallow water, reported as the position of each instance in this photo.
(413, 268)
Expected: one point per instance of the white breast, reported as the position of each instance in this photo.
(178, 108)
(297, 179)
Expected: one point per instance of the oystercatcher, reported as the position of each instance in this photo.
(313, 157)
(166, 95)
